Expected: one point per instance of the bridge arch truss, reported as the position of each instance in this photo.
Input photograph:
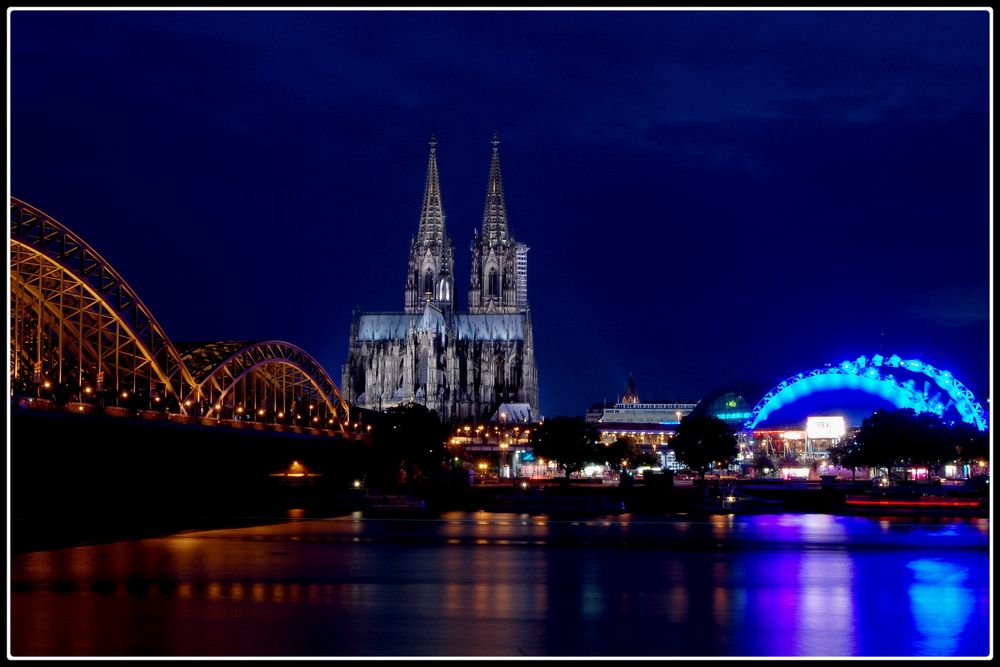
(80, 334)
(76, 327)
(271, 381)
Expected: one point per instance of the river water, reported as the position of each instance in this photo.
(493, 584)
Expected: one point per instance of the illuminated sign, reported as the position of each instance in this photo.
(792, 435)
(825, 427)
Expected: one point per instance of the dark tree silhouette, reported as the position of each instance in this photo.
(703, 441)
(847, 454)
(901, 438)
(410, 438)
(625, 454)
(569, 440)
(762, 463)
(971, 444)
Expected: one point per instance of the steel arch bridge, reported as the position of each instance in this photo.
(78, 332)
(271, 381)
(875, 377)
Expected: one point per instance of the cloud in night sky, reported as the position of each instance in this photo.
(709, 196)
(950, 306)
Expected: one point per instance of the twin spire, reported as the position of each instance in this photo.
(498, 276)
(432, 230)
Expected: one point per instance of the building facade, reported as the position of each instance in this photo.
(630, 410)
(463, 365)
(651, 424)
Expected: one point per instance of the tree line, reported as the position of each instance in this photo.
(904, 438)
(409, 443)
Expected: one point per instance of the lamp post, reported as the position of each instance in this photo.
(501, 434)
(517, 443)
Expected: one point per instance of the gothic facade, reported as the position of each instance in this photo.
(461, 364)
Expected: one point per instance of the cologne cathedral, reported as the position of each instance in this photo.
(464, 365)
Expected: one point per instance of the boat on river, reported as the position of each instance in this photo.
(924, 504)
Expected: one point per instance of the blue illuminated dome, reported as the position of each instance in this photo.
(732, 403)
(937, 392)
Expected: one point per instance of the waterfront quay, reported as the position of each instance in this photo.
(85, 479)
(660, 494)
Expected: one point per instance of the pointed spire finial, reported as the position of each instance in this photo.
(431, 229)
(495, 213)
(431, 248)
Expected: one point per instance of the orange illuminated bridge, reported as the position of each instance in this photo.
(82, 340)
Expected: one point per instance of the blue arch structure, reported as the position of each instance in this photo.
(875, 376)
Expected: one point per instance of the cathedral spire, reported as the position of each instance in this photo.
(495, 211)
(499, 264)
(431, 230)
(431, 265)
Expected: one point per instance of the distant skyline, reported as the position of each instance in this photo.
(710, 197)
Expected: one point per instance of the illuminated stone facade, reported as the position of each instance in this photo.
(462, 365)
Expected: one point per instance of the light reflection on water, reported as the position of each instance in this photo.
(826, 623)
(475, 584)
(941, 604)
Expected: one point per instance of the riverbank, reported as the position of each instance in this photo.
(658, 496)
(287, 500)
(83, 481)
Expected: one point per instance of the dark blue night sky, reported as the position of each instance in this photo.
(710, 197)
